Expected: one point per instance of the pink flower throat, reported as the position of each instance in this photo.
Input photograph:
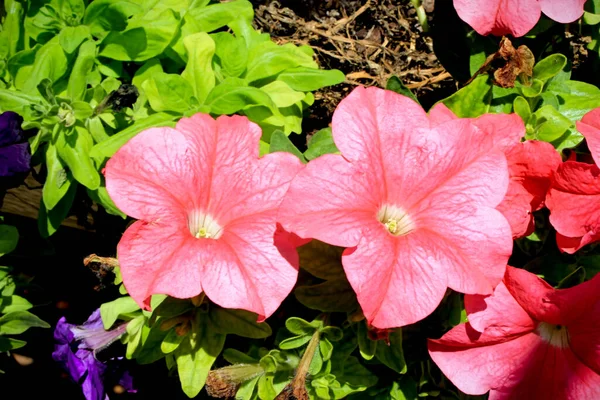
(203, 226)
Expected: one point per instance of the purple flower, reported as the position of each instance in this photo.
(76, 351)
(15, 154)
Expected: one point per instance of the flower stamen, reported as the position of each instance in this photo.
(396, 220)
(203, 226)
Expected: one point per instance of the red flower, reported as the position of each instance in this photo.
(207, 207)
(515, 17)
(531, 165)
(413, 204)
(526, 341)
(574, 196)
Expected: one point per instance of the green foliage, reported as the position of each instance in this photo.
(62, 63)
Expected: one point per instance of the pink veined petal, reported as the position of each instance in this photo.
(439, 114)
(534, 295)
(477, 363)
(570, 245)
(574, 200)
(331, 200)
(563, 11)
(589, 126)
(531, 166)
(161, 258)
(154, 175)
(550, 373)
(489, 314)
(499, 17)
(502, 130)
(257, 277)
(395, 278)
(370, 122)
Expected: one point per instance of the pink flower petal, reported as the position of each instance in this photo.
(572, 244)
(563, 11)
(154, 175)
(476, 362)
(488, 314)
(439, 114)
(373, 123)
(589, 126)
(499, 17)
(574, 203)
(331, 200)
(208, 208)
(531, 166)
(502, 130)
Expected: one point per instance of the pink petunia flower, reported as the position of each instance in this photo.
(574, 196)
(531, 165)
(206, 206)
(526, 341)
(515, 17)
(412, 201)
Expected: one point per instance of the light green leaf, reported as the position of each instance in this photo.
(83, 66)
(473, 100)
(550, 124)
(70, 37)
(320, 143)
(281, 94)
(218, 15)
(169, 92)
(9, 237)
(238, 322)
(58, 180)
(522, 108)
(74, 150)
(294, 342)
(268, 59)
(533, 90)
(103, 16)
(232, 53)
(18, 322)
(110, 146)
(404, 389)
(7, 344)
(20, 65)
(198, 71)
(11, 100)
(549, 66)
(300, 327)
(111, 311)
(149, 69)
(196, 355)
(50, 62)
(305, 79)
(14, 303)
(134, 335)
(171, 342)
(232, 96)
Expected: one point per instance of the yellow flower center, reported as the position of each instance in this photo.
(555, 335)
(396, 220)
(203, 226)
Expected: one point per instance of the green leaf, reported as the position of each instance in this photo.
(231, 52)
(146, 36)
(366, 346)
(7, 344)
(326, 349)
(18, 322)
(9, 237)
(169, 92)
(14, 303)
(196, 355)
(549, 66)
(321, 143)
(83, 66)
(280, 142)
(268, 59)
(74, 150)
(334, 295)
(11, 34)
(11, 100)
(20, 65)
(101, 197)
(58, 180)
(171, 342)
(305, 79)
(218, 15)
(550, 124)
(110, 68)
(575, 98)
(232, 96)
(534, 89)
(522, 108)
(238, 322)
(392, 355)
(110, 146)
(103, 16)
(198, 71)
(247, 389)
(70, 37)
(294, 342)
(50, 62)
(473, 100)
(300, 327)
(282, 95)
(404, 389)
(111, 311)
(149, 69)
(50, 220)
(355, 374)
(395, 85)
(234, 356)
(134, 335)
(322, 260)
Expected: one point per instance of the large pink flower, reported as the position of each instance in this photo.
(515, 17)
(412, 200)
(206, 206)
(574, 197)
(531, 165)
(526, 341)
